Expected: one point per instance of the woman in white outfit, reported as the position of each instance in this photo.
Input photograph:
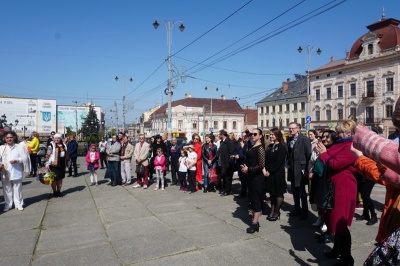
(14, 161)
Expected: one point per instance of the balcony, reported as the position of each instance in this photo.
(372, 121)
(369, 97)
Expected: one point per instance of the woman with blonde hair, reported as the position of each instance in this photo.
(340, 160)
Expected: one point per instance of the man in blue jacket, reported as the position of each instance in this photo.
(72, 148)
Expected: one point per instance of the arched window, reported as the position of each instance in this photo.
(370, 48)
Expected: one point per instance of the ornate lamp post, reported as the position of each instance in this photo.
(169, 25)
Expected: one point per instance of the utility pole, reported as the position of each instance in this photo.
(76, 117)
(116, 115)
(123, 101)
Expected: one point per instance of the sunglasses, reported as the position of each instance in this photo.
(254, 134)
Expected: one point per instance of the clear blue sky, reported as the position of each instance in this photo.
(72, 50)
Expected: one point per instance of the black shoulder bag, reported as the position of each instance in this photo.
(325, 194)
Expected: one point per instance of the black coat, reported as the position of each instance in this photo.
(226, 149)
(205, 153)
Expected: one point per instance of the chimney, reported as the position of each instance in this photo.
(285, 86)
(188, 95)
(248, 107)
(332, 59)
(223, 97)
(347, 54)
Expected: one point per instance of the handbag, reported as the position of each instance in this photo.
(139, 169)
(212, 175)
(325, 192)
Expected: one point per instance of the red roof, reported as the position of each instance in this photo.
(388, 32)
(219, 105)
(251, 116)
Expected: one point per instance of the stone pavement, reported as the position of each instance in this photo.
(107, 225)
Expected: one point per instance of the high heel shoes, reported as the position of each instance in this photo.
(253, 228)
(274, 218)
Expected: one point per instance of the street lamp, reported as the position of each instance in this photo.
(123, 101)
(309, 50)
(211, 119)
(169, 25)
(76, 117)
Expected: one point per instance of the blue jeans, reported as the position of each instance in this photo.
(205, 172)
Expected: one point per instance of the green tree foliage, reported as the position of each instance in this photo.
(90, 126)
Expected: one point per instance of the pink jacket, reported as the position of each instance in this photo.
(96, 159)
(160, 161)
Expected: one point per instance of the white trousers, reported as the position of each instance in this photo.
(126, 171)
(93, 176)
(12, 191)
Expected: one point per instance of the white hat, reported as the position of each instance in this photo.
(58, 135)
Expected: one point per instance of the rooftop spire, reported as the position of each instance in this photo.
(383, 14)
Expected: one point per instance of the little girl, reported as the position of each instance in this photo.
(191, 166)
(160, 167)
(182, 171)
(92, 163)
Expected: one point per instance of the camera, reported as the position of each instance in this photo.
(247, 132)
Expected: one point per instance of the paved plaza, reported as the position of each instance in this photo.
(121, 225)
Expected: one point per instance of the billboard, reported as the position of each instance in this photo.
(33, 114)
(69, 116)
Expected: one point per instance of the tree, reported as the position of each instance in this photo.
(90, 126)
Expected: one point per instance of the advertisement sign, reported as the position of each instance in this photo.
(33, 114)
(69, 115)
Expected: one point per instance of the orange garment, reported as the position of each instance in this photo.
(390, 219)
(199, 167)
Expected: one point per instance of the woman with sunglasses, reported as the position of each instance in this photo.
(255, 163)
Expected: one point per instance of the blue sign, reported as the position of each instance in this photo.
(308, 119)
(211, 129)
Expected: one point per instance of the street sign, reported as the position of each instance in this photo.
(211, 129)
(308, 119)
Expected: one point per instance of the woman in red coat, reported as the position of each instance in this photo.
(341, 164)
(197, 149)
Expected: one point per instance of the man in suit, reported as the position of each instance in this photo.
(225, 161)
(126, 157)
(141, 154)
(299, 153)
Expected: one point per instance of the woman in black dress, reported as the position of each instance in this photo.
(57, 163)
(255, 163)
(275, 157)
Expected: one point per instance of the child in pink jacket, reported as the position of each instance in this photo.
(92, 163)
(160, 166)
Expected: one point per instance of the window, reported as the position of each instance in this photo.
(267, 123)
(267, 109)
(287, 107)
(273, 109)
(262, 123)
(340, 113)
(340, 91)
(287, 122)
(353, 113)
(234, 126)
(295, 106)
(280, 108)
(317, 115)
(369, 114)
(328, 115)
(328, 93)
(194, 125)
(389, 111)
(295, 120)
(303, 106)
(180, 122)
(262, 110)
(353, 89)
(215, 124)
(317, 95)
(389, 84)
(303, 121)
(370, 48)
(370, 88)
(225, 125)
(206, 124)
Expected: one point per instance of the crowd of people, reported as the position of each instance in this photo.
(334, 165)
